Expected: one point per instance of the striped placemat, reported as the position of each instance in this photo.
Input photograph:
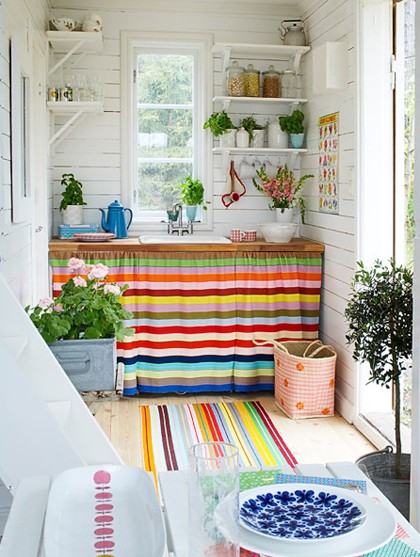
(168, 431)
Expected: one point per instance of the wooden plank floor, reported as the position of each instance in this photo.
(316, 440)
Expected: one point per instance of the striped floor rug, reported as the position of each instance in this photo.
(169, 431)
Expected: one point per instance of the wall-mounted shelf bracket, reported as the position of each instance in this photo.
(77, 110)
(227, 153)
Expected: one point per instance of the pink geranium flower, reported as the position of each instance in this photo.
(112, 289)
(98, 271)
(76, 265)
(79, 281)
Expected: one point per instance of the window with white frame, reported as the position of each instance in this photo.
(167, 102)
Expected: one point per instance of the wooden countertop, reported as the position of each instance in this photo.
(133, 244)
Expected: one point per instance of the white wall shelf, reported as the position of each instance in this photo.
(261, 52)
(77, 112)
(70, 43)
(226, 101)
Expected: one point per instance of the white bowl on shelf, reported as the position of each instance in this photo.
(280, 233)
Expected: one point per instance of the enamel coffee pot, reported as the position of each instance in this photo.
(292, 32)
(115, 221)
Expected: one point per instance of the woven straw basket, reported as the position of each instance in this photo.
(304, 377)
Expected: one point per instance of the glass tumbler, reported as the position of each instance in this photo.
(213, 500)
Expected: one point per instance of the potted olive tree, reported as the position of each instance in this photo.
(380, 320)
(220, 125)
(192, 195)
(293, 125)
(72, 201)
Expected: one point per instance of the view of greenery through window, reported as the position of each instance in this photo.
(409, 98)
(165, 111)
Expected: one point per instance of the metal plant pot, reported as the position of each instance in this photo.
(380, 468)
(89, 363)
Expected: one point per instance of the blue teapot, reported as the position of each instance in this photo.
(115, 222)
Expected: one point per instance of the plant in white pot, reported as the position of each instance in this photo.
(283, 191)
(293, 125)
(220, 125)
(71, 205)
(255, 131)
(192, 195)
(86, 318)
(380, 320)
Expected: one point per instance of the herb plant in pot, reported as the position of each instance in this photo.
(192, 195)
(82, 324)
(380, 320)
(220, 125)
(72, 201)
(255, 131)
(293, 125)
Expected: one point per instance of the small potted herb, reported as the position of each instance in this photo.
(220, 125)
(192, 195)
(293, 125)
(72, 200)
(250, 124)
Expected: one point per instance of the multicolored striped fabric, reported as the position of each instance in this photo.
(169, 431)
(196, 315)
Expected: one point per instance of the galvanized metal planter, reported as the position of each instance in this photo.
(90, 364)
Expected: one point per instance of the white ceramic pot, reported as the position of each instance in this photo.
(228, 139)
(242, 139)
(73, 214)
(284, 215)
(277, 139)
(257, 139)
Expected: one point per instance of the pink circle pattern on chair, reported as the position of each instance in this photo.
(104, 518)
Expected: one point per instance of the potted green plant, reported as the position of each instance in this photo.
(220, 125)
(250, 124)
(192, 195)
(86, 318)
(380, 321)
(72, 201)
(283, 192)
(293, 125)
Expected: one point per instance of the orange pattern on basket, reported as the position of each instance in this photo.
(286, 383)
(300, 367)
(325, 411)
(300, 405)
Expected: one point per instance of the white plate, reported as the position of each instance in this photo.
(376, 531)
(91, 509)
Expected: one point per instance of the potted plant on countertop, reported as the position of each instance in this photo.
(380, 320)
(250, 124)
(220, 125)
(72, 201)
(86, 318)
(192, 195)
(293, 125)
(283, 191)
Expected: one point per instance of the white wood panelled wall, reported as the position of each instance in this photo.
(92, 151)
(25, 20)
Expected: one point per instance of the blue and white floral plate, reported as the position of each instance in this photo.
(377, 529)
(300, 512)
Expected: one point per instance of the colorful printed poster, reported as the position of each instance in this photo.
(328, 163)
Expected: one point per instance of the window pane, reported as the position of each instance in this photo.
(165, 78)
(165, 112)
(159, 184)
(165, 133)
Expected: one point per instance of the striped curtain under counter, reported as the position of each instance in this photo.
(196, 314)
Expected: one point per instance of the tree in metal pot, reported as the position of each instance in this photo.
(380, 319)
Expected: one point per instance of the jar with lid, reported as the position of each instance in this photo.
(288, 84)
(271, 83)
(235, 81)
(252, 81)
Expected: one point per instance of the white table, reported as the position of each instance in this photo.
(174, 493)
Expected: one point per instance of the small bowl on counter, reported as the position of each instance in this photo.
(280, 233)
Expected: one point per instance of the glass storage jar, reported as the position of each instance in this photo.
(235, 81)
(288, 84)
(271, 83)
(252, 81)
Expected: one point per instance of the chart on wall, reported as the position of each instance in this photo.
(328, 163)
